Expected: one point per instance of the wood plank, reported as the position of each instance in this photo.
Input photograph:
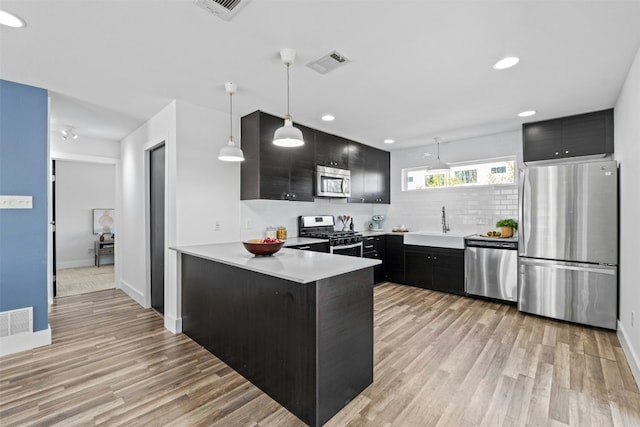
(439, 360)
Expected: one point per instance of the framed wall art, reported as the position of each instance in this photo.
(103, 221)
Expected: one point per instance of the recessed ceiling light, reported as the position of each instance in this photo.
(10, 20)
(328, 118)
(505, 63)
(527, 113)
(389, 141)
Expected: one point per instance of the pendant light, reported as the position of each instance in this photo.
(288, 135)
(438, 165)
(231, 152)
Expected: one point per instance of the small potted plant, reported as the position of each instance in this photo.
(507, 226)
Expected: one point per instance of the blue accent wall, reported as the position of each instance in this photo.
(23, 171)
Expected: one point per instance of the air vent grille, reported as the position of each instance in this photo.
(329, 62)
(16, 321)
(224, 9)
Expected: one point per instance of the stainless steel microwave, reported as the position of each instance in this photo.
(332, 182)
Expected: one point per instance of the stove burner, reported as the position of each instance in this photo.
(326, 231)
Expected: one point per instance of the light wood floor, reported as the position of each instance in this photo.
(75, 281)
(439, 360)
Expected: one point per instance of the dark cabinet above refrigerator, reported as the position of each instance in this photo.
(589, 134)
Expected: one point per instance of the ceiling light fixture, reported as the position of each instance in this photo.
(68, 132)
(328, 118)
(231, 152)
(288, 135)
(11, 20)
(438, 165)
(527, 113)
(505, 63)
(389, 141)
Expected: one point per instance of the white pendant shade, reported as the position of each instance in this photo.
(288, 135)
(231, 153)
(438, 165)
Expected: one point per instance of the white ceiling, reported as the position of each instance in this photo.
(419, 69)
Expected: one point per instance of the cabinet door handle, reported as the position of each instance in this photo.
(302, 248)
(293, 196)
(566, 152)
(428, 256)
(435, 257)
(368, 246)
(557, 153)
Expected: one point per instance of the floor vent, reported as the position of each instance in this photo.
(16, 321)
(329, 62)
(223, 9)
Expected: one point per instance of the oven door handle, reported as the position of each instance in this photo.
(353, 245)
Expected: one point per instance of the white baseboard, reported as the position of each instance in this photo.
(135, 294)
(77, 263)
(173, 324)
(632, 356)
(25, 341)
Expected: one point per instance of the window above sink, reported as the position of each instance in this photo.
(481, 172)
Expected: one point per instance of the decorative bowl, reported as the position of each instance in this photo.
(258, 247)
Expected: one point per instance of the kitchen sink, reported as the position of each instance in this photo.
(430, 238)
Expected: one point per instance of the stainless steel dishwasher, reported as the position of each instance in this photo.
(491, 267)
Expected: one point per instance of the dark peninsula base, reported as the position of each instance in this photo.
(308, 346)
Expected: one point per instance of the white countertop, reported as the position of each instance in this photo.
(289, 264)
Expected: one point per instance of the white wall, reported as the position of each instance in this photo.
(627, 152)
(469, 209)
(132, 237)
(257, 215)
(200, 190)
(84, 146)
(80, 187)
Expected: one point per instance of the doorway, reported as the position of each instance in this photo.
(80, 189)
(156, 225)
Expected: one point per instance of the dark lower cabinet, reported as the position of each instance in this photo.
(315, 247)
(375, 247)
(394, 258)
(439, 269)
(308, 346)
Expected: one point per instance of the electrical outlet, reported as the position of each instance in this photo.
(633, 318)
(217, 225)
(90, 250)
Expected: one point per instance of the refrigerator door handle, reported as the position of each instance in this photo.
(576, 267)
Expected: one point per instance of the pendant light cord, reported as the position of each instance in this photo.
(288, 109)
(230, 116)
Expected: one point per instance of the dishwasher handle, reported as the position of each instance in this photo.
(491, 244)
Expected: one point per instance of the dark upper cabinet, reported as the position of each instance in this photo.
(439, 269)
(369, 174)
(272, 172)
(573, 136)
(332, 151)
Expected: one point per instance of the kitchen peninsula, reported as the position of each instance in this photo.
(297, 324)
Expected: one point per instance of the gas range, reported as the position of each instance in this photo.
(322, 227)
(336, 238)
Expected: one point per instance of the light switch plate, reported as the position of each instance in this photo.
(16, 202)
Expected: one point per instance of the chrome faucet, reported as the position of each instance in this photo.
(445, 227)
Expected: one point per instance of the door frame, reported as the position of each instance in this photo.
(147, 148)
(82, 158)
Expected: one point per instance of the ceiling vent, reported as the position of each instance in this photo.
(329, 62)
(223, 9)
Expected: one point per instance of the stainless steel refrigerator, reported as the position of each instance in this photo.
(568, 242)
